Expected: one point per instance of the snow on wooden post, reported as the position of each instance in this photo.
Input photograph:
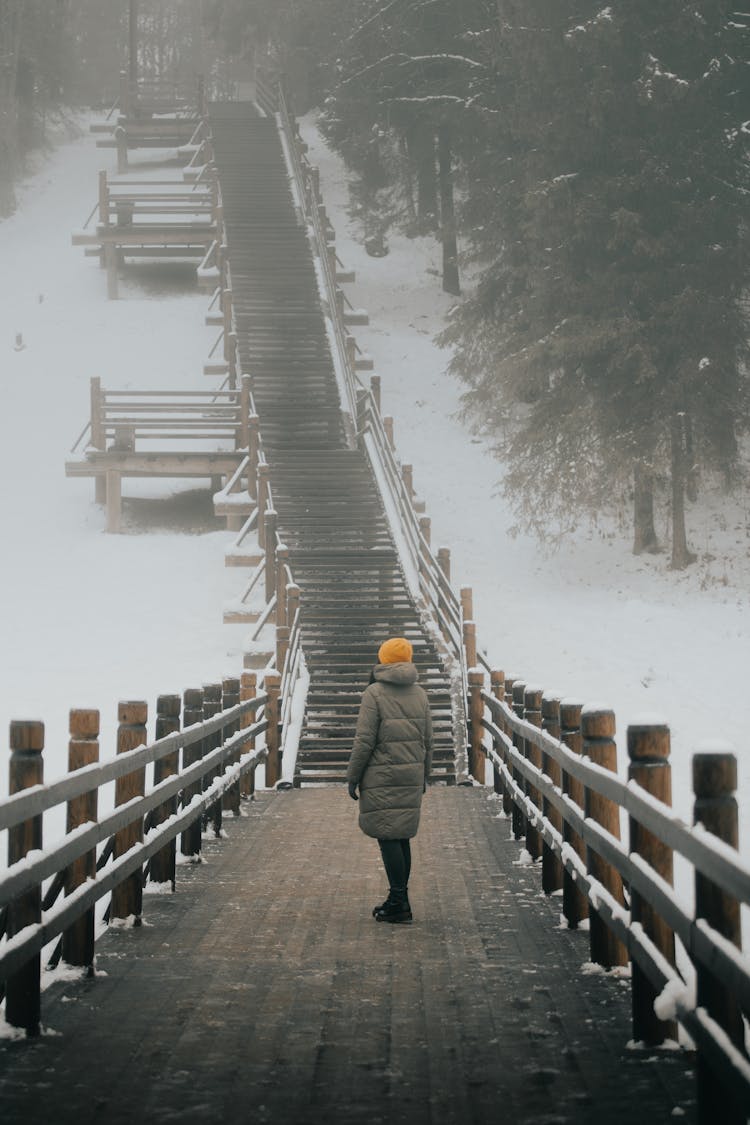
(269, 539)
(272, 685)
(248, 690)
(121, 143)
(375, 388)
(242, 439)
(162, 869)
(211, 708)
(83, 750)
(519, 817)
(127, 897)
(388, 427)
(22, 989)
(425, 529)
(192, 713)
(575, 903)
(230, 697)
(552, 871)
(648, 751)
(497, 688)
(598, 733)
(532, 713)
(98, 438)
(714, 785)
(476, 711)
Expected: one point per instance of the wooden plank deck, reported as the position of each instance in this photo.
(264, 991)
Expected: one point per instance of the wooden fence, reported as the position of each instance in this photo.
(197, 771)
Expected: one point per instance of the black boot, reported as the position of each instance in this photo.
(377, 909)
(395, 908)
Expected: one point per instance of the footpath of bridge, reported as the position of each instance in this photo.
(265, 991)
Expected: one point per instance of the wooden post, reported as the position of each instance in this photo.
(282, 561)
(444, 562)
(192, 713)
(127, 897)
(248, 690)
(121, 142)
(22, 990)
(407, 476)
(375, 388)
(598, 732)
(350, 346)
(98, 437)
(476, 712)
(282, 645)
(83, 750)
(263, 478)
(648, 751)
(292, 603)
(519, 817)
(103, 200)
(212, 707)
(243, 433)
(163, 862)
(269, 538)
(272, 685)
(714, 785)
(497, 688)
(253, 427)
(230, 688)
(110, 263)
(532, 708)
(388, 427)
(575, 903)
(114, 501)
(467, 603)
(425, 528)
(552, 870)
(470, 643)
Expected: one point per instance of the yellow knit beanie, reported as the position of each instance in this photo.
(397, 650)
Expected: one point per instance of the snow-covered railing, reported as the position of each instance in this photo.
(199, 772)
(554, 763)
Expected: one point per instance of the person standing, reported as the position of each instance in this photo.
(390, 764)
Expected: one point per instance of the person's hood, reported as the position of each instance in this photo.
(403, 673)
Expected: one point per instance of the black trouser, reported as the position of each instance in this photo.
(397, 862)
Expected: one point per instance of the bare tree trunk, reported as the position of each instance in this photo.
(422, 154)
(451, 283)
(11, 16)
(681, 555)
(691, 469)
(644, 532)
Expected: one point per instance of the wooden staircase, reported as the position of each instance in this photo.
(330, 512)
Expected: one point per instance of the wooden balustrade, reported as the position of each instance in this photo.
(218, 752)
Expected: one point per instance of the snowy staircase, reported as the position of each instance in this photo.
(330, 512)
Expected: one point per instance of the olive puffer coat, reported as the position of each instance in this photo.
(392, 753)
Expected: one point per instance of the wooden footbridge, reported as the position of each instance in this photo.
(551, 966)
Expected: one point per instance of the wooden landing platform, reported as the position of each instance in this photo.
(264, 991)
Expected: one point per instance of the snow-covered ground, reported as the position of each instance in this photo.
(89, 618)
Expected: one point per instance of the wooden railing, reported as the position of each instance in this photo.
(554, 766)
(197, 771)
(427, 573)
